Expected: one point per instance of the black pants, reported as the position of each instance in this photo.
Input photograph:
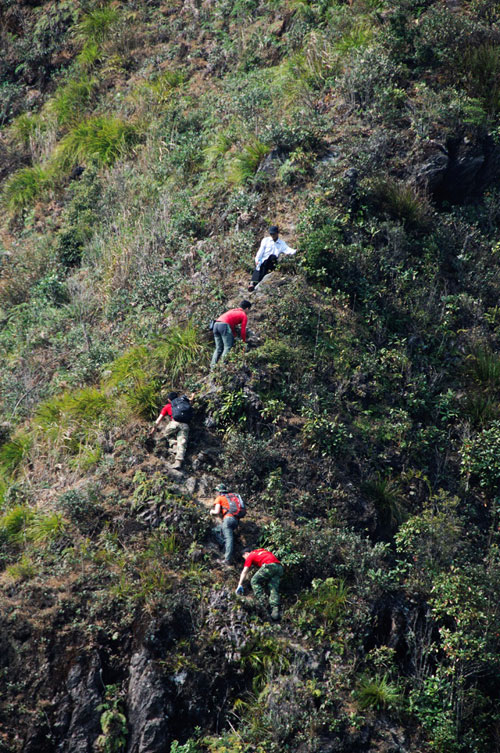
(267, 266)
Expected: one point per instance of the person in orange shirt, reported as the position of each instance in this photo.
(225, 330)
(230, 508)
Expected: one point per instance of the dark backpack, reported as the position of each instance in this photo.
(181, 410)
(235, 505)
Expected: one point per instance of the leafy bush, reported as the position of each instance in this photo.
(323, 434)
(481, 456)
(321, 608)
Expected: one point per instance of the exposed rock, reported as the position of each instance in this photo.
(78, 722)
(273, 161)
(148, 708)
(460, 170)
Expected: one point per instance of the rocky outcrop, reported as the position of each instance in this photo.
(459, 170)
(148, 707)
(78, 723)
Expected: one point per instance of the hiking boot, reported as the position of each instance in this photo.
(275, 613)
(251, 287)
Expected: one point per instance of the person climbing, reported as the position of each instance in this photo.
(230, 507)
(224, 330)
(176, 430)
(267, 255)
(269, 573)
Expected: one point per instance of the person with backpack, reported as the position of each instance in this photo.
(177, 429)
(230, 508)
(224, 329)
(267, 255)
(269, 573)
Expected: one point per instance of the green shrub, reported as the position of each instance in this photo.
(25, 186)
(377, 693)
(73, 417)
(143, 398)
(100, 139)
(480, 409)
(162, 86)
(480, 456)
(325, 435)
(321, 608)
(128, 368)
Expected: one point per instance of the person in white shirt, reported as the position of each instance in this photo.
(267, 255)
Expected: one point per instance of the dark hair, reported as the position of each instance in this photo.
(274, 229)
(247, 549)
(245, 305)
(172, 395)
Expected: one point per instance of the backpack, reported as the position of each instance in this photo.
(181, 410)
(235, 505)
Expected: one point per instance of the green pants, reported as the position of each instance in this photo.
(270, 576)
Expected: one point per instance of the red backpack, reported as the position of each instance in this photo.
(235, 505)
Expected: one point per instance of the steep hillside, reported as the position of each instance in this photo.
(145, 148)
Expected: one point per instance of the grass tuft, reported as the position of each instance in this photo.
(244, 165)
(25, 186)
(72, 100)
(97, 26)
(377, 693)
(101, 140)
(12, 453)
(14, 524)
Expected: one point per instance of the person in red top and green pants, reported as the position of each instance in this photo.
(269, 574)
(225, 330)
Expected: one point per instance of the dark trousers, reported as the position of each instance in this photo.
(267, 266)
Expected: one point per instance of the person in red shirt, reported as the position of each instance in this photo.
(225, 330)
(269, 574)
(175, 432)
